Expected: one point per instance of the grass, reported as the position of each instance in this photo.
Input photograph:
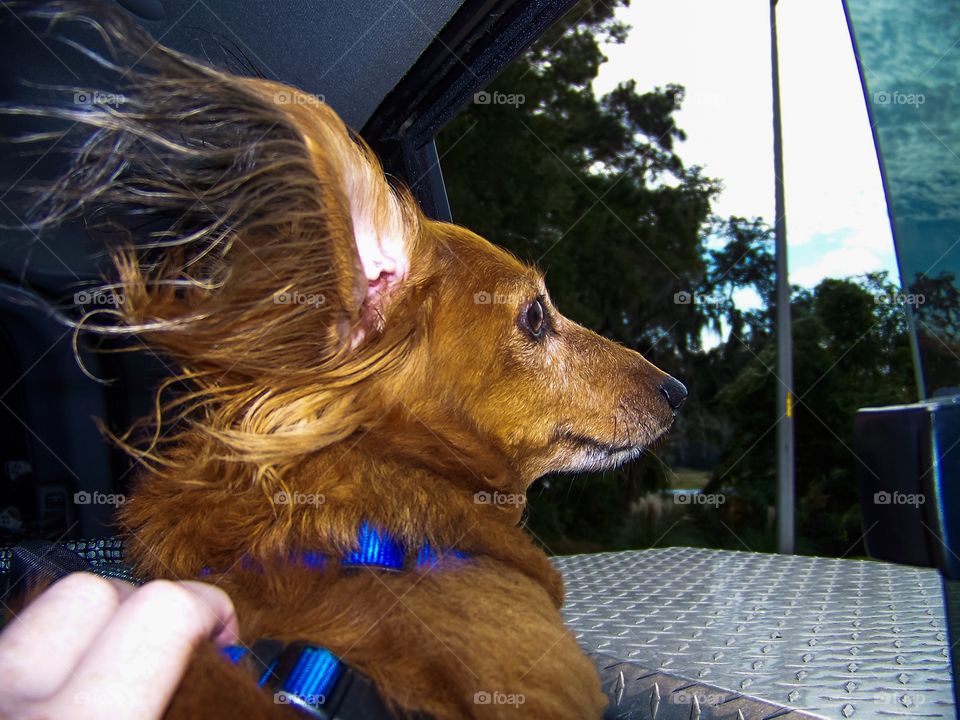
(688, 479)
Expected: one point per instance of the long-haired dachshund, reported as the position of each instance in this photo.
(369, 394)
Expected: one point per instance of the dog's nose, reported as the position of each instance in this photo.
(674, 391)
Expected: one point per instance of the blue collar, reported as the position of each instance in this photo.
(313, 678)
(376, 548)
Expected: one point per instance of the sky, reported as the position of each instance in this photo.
(837, 222)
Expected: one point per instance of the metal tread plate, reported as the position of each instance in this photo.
(810, 636)
(639, 693)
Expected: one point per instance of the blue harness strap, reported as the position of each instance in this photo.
(312, 678)
(314, 673)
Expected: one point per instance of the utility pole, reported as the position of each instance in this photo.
(786, 493)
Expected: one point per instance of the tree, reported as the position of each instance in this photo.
(851, 350)
(593, 191)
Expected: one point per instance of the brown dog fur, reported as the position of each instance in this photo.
(384, 389)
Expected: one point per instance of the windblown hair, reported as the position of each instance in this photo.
(331, 342)
(235, 200)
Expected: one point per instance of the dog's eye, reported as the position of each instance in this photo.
(534, 318)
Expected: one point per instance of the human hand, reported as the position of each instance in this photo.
(93, 647)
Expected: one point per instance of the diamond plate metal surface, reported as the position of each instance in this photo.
(825, 637)
(99, 552)
(638, 693)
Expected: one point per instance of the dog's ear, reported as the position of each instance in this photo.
(384, 220)
(255, 234)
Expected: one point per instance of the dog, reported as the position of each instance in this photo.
(348, 370)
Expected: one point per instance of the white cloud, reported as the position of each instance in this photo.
(842, 262)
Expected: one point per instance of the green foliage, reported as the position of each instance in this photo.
(850, 351)
(590, 191)
(593, 192)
